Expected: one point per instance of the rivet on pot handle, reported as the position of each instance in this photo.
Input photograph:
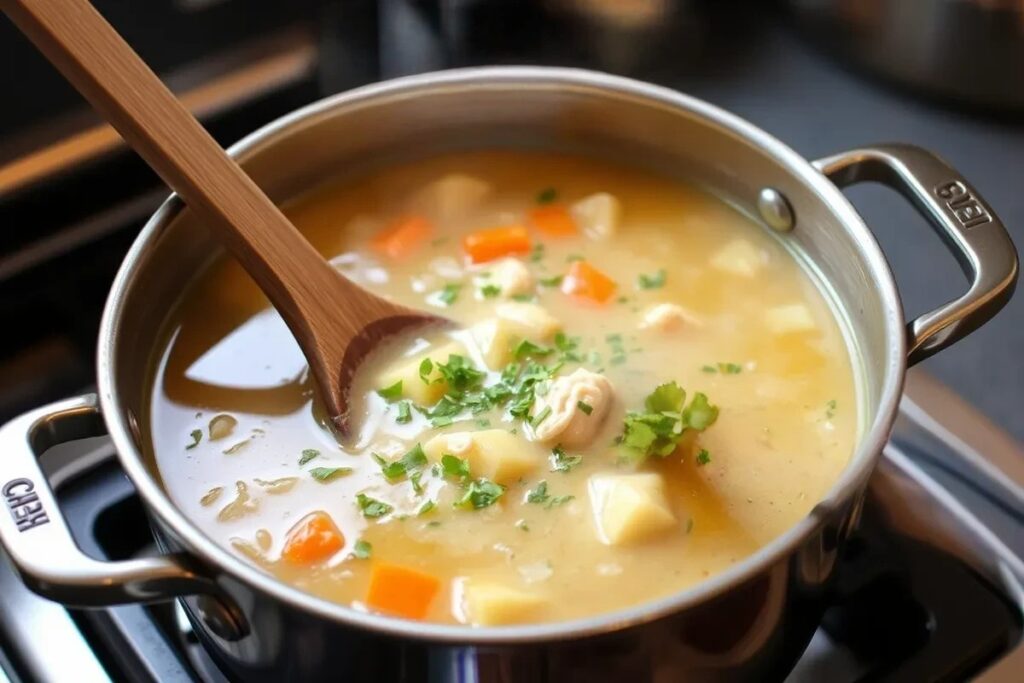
(38, 540)
(962, 218)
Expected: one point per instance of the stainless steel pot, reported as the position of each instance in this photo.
(749, 622)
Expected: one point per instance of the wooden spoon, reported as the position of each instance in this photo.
(335, 322)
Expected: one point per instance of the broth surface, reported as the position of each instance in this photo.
(242, 449)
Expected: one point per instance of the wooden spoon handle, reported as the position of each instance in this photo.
(303, 287)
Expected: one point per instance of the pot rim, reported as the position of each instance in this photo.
(851, 481)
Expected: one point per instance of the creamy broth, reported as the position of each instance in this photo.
(702, 297)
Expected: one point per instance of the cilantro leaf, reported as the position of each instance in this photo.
(700, 414)
(703, 458)
(404, 413)
(426, 367)
(449, 294)
(362, 550)
(560, 462)
(490, 291)
(307, 455)
(371, 507)
(666, 397)
(658, 431)
(526, 348)
(407, 464)
(425, 508)
(539, 496)
(452, 466)
(553, 281)
(652, 281)
(460, 374)
(197, 436)
(479, 494)
(326, 474)
(392, 392)
(547, 195)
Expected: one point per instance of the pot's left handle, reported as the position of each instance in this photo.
(962, 218)
(39, 543)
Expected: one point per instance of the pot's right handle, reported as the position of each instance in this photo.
(40, 545)
(973, 232)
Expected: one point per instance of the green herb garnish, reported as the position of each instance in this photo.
(541, 416)
(460, 374)
(539, 496)
(197, 436)
(425, 508)
(307, 455)
(392, 392)
(560, 462)
(452, 466)
(407, 464)
(362, 550)
(655, 281)
(547, 195)
(527, 348)
(584, 408)
(326, 474)
(830, 410)
(568, 346)
(490, 291)
(449, 294)
(404, 413)
(703, 457)
(537, 253)
(553, 281)
(658, 430)
(525, 297)
(371, 507)
(426, 367)
(479, 494)
(573, 257)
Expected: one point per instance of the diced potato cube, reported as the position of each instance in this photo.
(629, 507)
(408, 371)
(597, 215)
(789, 319)
(451, 196)
(485, 603)
(511, 276)
(739, 257)
(491, 453)
(516, 321)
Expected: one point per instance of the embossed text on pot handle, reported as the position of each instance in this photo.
(37, 538)
(962, 218)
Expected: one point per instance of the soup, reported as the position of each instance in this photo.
(642, 388)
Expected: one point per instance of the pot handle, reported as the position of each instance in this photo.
(975, 235)
(36, 536)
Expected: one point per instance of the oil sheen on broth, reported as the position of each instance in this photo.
(543, 464)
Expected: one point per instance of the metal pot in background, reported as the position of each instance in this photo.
(749, 622)
(968, 51)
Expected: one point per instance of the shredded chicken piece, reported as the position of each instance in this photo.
(568, 422)
(667, 317)
(511, 276)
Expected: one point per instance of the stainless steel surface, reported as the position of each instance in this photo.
(960, 216)
(967, 50)
(36, 536)
(775, 210)
(772, 598)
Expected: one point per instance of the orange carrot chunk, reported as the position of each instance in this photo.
(402, 237)
(402, 591)
(553, 220)
(587, 282)
(492, 243)
(314, 538)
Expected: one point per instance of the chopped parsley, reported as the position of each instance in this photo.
(480, 493)
(426, 367)
(547, 195)
(449, 294)
(307, 455)
(537, 253)
(527, 348)
(326, 474)
(584, 408)
(539, 496)
(724, 368)
(573, 257)
(830, 409)
(658, 430)
(412, 461)
(460, 374)
(452, 466)
(490, 291)
(197, 436)
(568, 346)
(362, 550)
(655, 281)
(553, 281)
(414, 479)
(617, 347)
(425, 508)
(371, 507)
(392, 392)
(525, 297)
(703, 457)
(560, 462)
(404, 413)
